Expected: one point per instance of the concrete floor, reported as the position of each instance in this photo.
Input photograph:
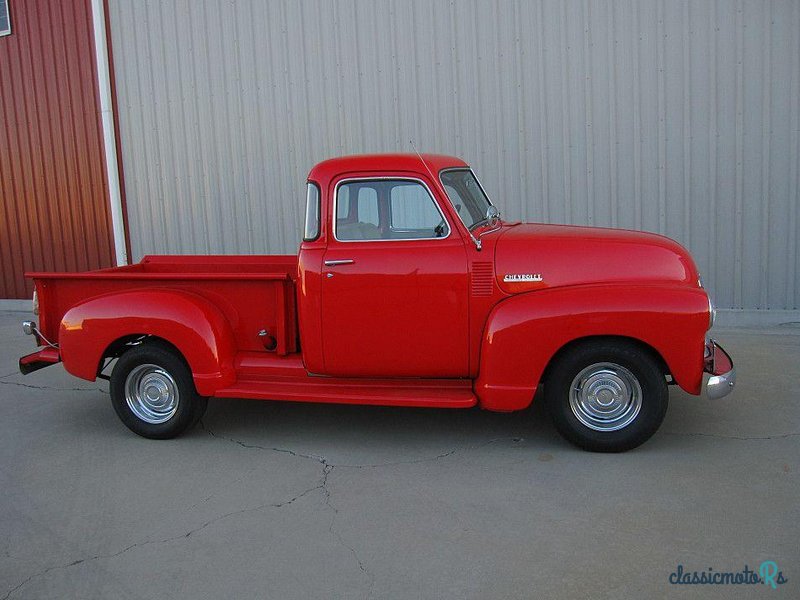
(280, 500)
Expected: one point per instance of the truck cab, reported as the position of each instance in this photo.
(408, 290)
(384, 272)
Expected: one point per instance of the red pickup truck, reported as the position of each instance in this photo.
(408, 290)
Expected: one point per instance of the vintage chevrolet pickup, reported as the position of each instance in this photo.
(408, 290)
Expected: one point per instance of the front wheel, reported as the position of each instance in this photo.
(153, 393)
(606, 396)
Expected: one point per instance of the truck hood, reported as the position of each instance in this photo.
(534, 256)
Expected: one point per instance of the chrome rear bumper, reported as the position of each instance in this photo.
(723, 374)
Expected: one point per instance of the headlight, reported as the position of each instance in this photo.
(35, 302)
(712, 312)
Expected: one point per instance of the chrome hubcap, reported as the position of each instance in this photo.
(605, 397)
(151, 394)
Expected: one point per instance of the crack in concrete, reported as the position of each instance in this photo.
(216, 491)
(319, 459)
(777, 436)
(338, 536)
(327, 469)
(323, 460)
(46, 387)
(322, 484)
(41, 574)
(147, 542)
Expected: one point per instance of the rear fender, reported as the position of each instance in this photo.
(195, 326)
(524, 333)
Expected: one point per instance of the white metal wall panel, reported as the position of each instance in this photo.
(679, 117)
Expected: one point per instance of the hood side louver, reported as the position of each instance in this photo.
(482, 278)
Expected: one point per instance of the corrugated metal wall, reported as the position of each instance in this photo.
(671, 116)
(53, 193)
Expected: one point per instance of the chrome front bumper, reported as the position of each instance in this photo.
(723, 374)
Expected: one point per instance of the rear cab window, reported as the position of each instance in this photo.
(312, 225)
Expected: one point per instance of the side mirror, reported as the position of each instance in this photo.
(492, 215)
(492, 219)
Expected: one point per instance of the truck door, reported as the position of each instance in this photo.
(394, 283)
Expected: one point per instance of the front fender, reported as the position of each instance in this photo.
(195, 326)
(524, 332)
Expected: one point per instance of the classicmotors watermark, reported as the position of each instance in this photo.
(767, 574)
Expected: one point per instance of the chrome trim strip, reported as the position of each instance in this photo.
(344, 261)
(712, 311)
(388, 178)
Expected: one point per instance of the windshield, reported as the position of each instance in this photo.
(466, 195)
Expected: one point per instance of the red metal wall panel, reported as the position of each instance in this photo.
(53, 192)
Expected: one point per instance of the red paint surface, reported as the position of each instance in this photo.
(415, 323)
(592, 254)
(53, 191)
(523, 333)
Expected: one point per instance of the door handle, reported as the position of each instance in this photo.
(343, 261)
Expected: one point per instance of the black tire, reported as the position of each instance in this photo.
(606, 371)
(163, 400)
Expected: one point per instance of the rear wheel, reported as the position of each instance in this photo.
(153, 393)
(607, 396)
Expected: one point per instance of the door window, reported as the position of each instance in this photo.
(387, 209)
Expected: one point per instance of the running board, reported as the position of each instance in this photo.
(379, 392)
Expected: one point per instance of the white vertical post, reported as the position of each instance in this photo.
(109, 138)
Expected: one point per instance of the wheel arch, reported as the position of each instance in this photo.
(194, 327)
(127, 342)
(568, 347)
(524, 333)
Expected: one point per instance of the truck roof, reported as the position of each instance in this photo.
(332, 167)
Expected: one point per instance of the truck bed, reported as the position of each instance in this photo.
(253, 292)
